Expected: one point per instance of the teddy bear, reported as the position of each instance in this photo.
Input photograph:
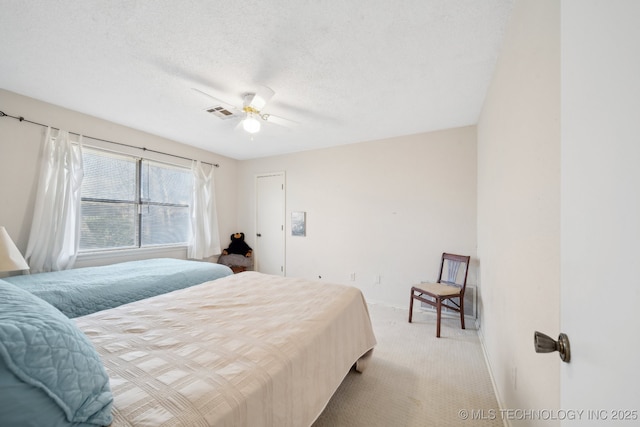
(238, 246)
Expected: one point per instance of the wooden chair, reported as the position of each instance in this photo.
(443, 293)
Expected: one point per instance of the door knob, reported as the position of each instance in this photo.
(545, 344)
(259, 235)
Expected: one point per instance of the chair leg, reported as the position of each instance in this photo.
(462, 312)
(411, 306)
(439, 311)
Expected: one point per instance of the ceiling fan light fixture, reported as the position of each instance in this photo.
(251, 124)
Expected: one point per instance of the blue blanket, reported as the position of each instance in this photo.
(50, 373)
(83, 291)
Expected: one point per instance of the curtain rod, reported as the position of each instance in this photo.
(22, 119)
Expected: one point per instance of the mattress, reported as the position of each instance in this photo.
(248, 350)
(82, 291)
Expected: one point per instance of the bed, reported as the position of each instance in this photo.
(83, 291)
(247, 350)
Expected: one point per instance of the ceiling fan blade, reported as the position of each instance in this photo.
(261, 97)
(281, 121)
(222, 102)
(238, 125)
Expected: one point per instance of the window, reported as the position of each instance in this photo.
(129, 202)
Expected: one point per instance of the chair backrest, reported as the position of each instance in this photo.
(454, 270)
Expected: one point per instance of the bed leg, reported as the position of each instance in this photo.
(363, 361)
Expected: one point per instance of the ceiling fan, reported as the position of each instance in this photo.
(250, 113)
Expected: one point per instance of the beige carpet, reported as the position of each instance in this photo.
(416, 379)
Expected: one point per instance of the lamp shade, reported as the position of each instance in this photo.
(10, 257)
(251, 124)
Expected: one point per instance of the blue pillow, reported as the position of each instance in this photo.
(45, 350)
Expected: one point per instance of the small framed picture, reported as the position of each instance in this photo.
(298, 223)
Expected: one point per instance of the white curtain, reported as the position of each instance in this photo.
(55, 231)
(205, 238)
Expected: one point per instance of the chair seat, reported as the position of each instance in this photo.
(446, 289)
(438, 289)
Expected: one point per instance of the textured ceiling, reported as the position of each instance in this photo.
(345, 70)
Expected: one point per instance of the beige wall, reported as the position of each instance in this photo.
(384, 208)
(387, 208)
(20, 145)
(519, 208)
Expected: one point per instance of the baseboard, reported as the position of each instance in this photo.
(505, 421)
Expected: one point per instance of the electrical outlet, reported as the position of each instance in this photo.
(376, 279)
(352, 277)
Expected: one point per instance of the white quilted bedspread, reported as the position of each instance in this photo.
(248, 350)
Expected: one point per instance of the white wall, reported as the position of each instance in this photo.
(388, 208)
(519, 208)
(20, 146)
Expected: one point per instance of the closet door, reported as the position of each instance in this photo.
(270, 221)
